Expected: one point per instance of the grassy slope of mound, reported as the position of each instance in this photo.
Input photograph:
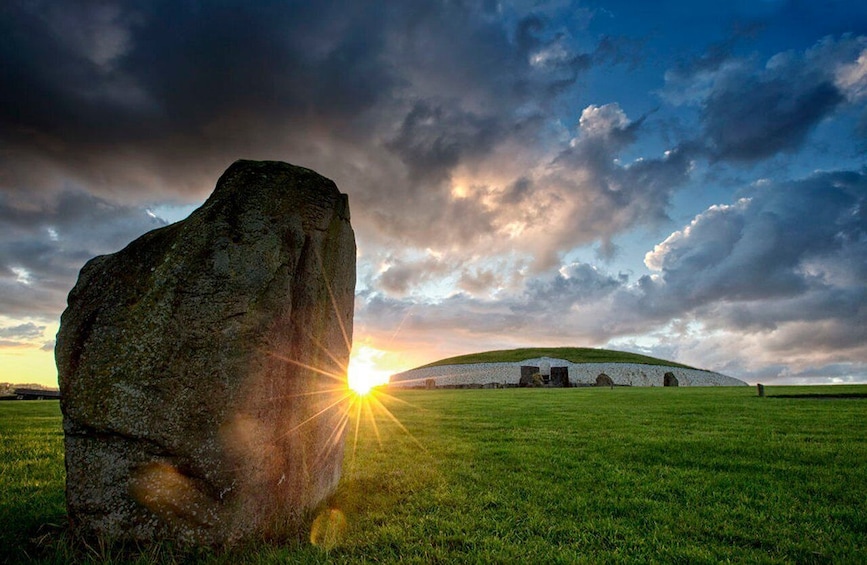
(573, 354)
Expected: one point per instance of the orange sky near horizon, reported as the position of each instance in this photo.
(30, 364)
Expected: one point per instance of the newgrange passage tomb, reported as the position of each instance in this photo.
(557, 367)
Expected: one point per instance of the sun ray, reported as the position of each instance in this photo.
(346, 339)
(394, 419)
(400, 325)
(324, 410)
(306, 366)
(343, 367)
(400, 400)
(332, 441)
(358, 401)
(372, 419)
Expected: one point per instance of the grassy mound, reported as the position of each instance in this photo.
(573, 354)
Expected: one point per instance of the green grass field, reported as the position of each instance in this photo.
(666, 475)
(573, 354)
(31, 475)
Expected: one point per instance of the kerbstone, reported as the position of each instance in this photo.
(202, 368)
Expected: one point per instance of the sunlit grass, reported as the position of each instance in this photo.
(32, 474)
(700, 475)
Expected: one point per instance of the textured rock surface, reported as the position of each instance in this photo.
(202, 367)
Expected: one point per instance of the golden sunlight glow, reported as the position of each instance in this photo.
(364, 373)
(27, 362)
(459, 191)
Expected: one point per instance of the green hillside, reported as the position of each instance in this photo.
(573, 354)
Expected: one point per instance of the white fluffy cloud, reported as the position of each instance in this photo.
(602, 121)
(852, 78)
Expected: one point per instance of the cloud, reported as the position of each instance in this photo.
(94, 89)
(749, 113)
(597, 195)
(398, 105)
(574, 285)
(433, 138)
(852, 79)
(767, 287)
(439, 120)
(547, 308)
(25, 331)
(26, 335)
(780, 241)
(476, 157)
(780, 272)
(399, 275)
(43, 245)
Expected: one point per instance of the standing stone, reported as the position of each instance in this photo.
(202, 368)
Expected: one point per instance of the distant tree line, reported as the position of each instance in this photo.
(8, 389)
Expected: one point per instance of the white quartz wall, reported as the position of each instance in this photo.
(632, 374)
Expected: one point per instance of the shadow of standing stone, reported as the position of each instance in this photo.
(202, 367)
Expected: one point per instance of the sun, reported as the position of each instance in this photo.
(359, 383)
(363, 373)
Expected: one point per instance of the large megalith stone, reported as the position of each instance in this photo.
(202, 368)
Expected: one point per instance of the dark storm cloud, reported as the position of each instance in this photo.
(43, 247)
(152, 100)
(749, 113)
(189, 63)
(92, 84)
(149, 101)
(135, 77)
(751, 121)
(433, 138)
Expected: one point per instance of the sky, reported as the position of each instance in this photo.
(676, 178)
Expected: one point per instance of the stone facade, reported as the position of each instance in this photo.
(579, 374)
